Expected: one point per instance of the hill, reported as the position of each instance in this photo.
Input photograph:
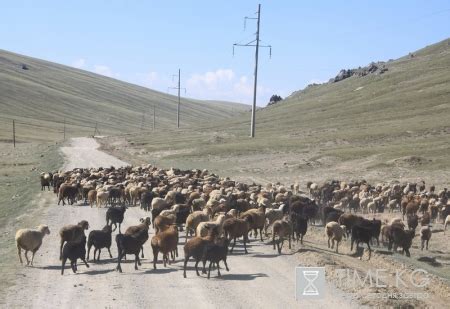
(40, 94)
(377, 126)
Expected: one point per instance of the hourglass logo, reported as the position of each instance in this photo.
(310, 282)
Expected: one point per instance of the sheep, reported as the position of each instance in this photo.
(74, 250)
(234, 228)
(128, 244)
(447, 222)
(115, 215)
(299, 226)
(258, 219)
(72, 233)
(349, 220)
(334, 232)
(67, 191)
(30, 240)
(139, 232)
(392, 205)
(195, 248)
(272, 215)
(162, 222)
(400, 237)
(45, 181)
(165, 242)
(99, 239)
(361, 233)
(92, 197)
(203, 227)
(214, 253)
(159, 203)
(102, 198)
(425, 235)
(282, 228)
(194, 219)
(412, 221)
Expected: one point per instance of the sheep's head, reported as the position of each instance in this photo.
(44, 229)
(84, 224)
(107, 229)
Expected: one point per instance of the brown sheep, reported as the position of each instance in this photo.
(162, 222)
(234, 228)
(92, 197)
(281, 228)
(258, 219)
(425, 235)
(73, 233)
(140, 231)
(165, 242)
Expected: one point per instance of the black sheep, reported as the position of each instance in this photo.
(400, 238)
(127, 244)
(361, 233)
(115, 215)
(100, 239)
(73, 251)
(214, 253)
(299, 226)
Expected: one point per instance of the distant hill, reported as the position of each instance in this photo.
(40, 94)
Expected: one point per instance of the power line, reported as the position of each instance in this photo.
(255, 43)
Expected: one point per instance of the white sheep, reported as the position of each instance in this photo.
(194, 219)
(204, 227)
(272, 215)
(30, 240)
(447, 222)
(334, 232)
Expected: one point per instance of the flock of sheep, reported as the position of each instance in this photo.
(218, 211)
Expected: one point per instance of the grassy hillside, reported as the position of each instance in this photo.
(378, 126)
(45, 93)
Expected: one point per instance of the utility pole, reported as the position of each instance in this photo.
(95, 130)
(142, 122)
(255, 43)
(14, 133)
(179, 98)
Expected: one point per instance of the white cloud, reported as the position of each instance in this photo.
(211, 79)
(79, 63)
(148, 79)
(105, 70)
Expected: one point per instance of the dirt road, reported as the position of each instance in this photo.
(261, 279)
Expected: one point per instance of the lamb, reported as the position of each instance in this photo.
(195, 248)
(299, 226)
(165, 242)
(100, 239)
(400, 237)
(72, 233)
(140, 232)
(128, 244)
(30, 240)
(214, 253)
(74, 250)
(361, 233)
(203, 227)
(334, 232)
(234, 228)
(425, 235)
(115, 215)
(272, 215)
(194, 219)
(282, 228)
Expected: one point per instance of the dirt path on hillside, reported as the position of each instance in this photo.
(261, 279)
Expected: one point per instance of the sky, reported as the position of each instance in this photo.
(146, 42)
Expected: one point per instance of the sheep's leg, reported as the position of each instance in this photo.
(289, 241)
(184, 266)
(110, 255)
(62, 266)
(273, 240)
(218, 270)
(19, 252)
(337, 246)
(119, 268)
(98, 257)
(89, 250)
(196, 266)
(301, 240)
(245, 245)
(136, 261)
(119, 228)
(234, 244)
(427, 244)
(142, 250)
(165, 259)
(34, 252)
(209, 269)
(26, 256)
(332, 243)
(85, 262)
(73, 266)
(328, 242)
(261, 234)
(60, 249)
(370, 250)
(155, 256)
(226, 265)
(421, 245)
